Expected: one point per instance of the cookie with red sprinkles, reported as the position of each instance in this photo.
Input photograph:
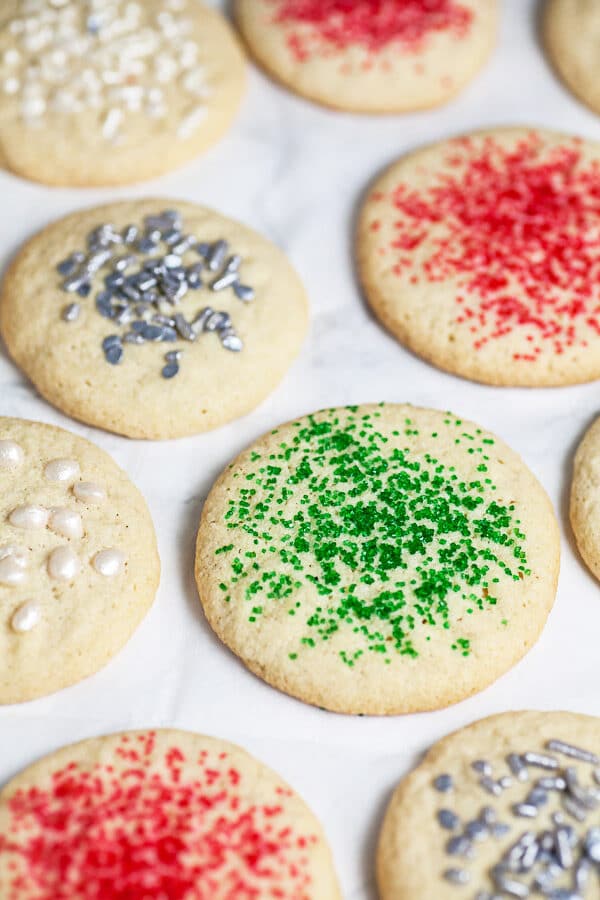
(158, 814)
(372, 56)
(482, 255)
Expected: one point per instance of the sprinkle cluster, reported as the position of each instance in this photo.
(372, 24)
(391, 544)
(107, 58)
(558, 856)
(146, 282)
(152, 825)
(518, 231)
(63, 563)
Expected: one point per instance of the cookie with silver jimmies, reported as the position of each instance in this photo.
(508, 807)
(152, 318)
(79, 564)
(101, 92)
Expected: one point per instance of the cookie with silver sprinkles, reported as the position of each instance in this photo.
(378, 559)
(506, 808)
(585, 498)
(102, 92)
(163, 814)
(79, 565)
(570, 30)
(153, 319)
(372, 56)
(482, 255)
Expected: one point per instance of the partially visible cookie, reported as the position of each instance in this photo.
(482, 255)
(378, 559)
(373, 56)
(79, 565)
(571, 32)
(101, 93)
(152, 319)
(507, 807)
(585, 498)
(162, 814)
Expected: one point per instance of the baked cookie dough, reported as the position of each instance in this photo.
(79, 566)
(505, 808)
(158, 814)
(373, 56)
(103, 92)
(585, 498)
(482, 255)
(378, 559)
(150, 321)
(571, 32)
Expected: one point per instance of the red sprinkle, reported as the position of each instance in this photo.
(149, 832)
(373, 24)
(520, 231)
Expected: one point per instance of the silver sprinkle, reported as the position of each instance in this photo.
(458, 846)
(164, 320)
(574, 752)
(588, 799)
(592, 844)
(114, 354)
(72, 284)
(457, 876)
(476, 831)
(510, 886)
(98, 259)
(231, 341)
(133, 338)
(540, 760)
(170, 370)
(448, 819)
(184, 328)
(71, 312)
(517, 766)
(525, 810)
(70, 265)
(537, 797)
(216, 255)
(223, 281)
(172, 261)
(233, 264)
(564, 854)
(488, 815)
(500, 830)
(201, 319)
(582, 874)
(505, 782)
(529, 858)
(244, 292)
(552, 784)
(130, 234)
(482, 766)
(491, 786)
(574, 809)
(173, 355)
(217, 321)
(184, 245)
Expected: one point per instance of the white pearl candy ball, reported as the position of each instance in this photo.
(63, 564)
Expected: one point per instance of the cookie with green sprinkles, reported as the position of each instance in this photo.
(378, 559)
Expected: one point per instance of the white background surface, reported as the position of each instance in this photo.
(296, 173)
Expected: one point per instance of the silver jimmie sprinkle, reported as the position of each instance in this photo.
(558, 855)
(145, 281)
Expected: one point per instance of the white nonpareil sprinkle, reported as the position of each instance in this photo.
(104, 58)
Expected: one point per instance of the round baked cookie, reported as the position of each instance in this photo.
(373, 56)
(571, 32)
(152, 322)
(585, 498)
(378, 559)
(482, 255)
(165, 814)
(79, 566)
(505, 808)
(103, 92)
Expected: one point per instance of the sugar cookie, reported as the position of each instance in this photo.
(378, 559)
(158, 814)
(100, 92)
(371, 55)
(62, 617)
(482, 255)
(505, 808)
(571, 32)
(585, 498)
(152, 322)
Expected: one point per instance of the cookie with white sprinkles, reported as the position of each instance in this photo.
(159, 814)
(152, 319)
(378, 559)
(99, 92)
(79, 565)
(506, 808)
(372, 56)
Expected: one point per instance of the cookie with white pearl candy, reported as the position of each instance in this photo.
(79, 565)
(100, 92)
(508, 807)
(154, 319)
